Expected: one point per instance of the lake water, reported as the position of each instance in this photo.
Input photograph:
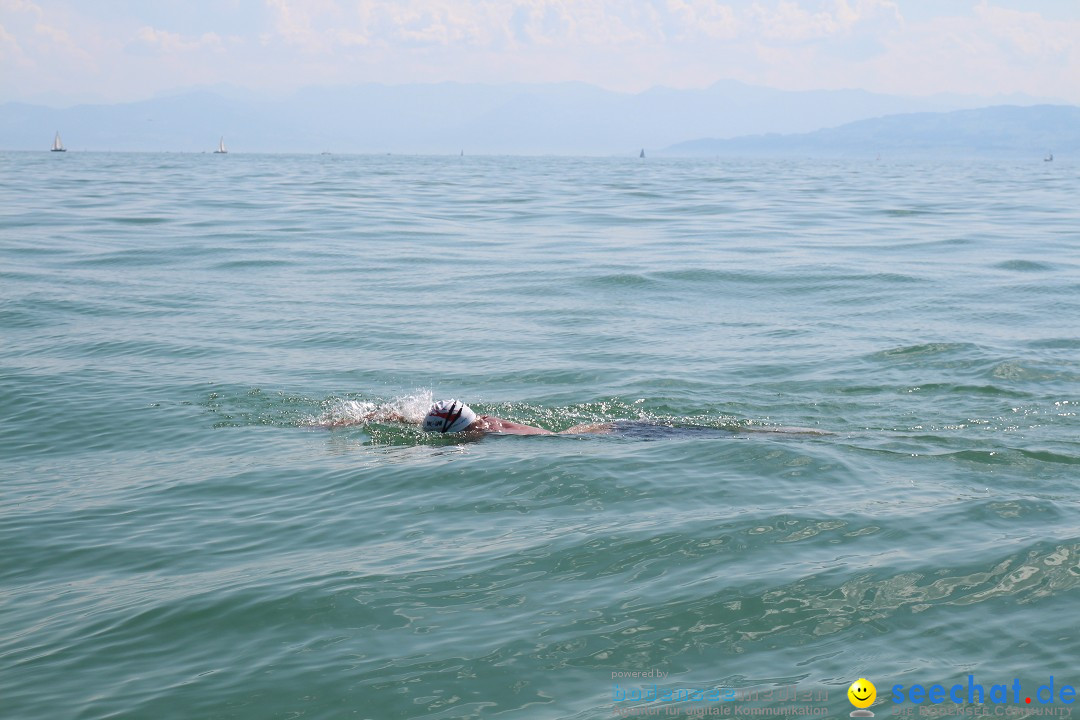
(182, 537)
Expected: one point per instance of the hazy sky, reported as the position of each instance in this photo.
(59, 53)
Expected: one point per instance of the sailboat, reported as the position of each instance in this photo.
(57, 145)
(642, 153)
(221, 147)
(1049, 157)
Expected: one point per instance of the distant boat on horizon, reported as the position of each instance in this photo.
(57, 145)
(1049, 157)
(642, 153)
(221, 147)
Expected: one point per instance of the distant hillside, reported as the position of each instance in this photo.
(992, 131)
(448, 117)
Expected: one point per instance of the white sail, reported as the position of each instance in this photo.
(57, 145)
(221, 145)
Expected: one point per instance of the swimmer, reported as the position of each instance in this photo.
(453, 416)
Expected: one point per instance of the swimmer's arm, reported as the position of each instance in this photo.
(590, 428)
(490, 423)
(509, 427)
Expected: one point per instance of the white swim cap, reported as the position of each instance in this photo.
(449, 416)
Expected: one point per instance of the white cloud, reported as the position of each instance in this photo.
(35, 38)
(11, 52)
(993, 50)
(1029, 34)
(706, 18)
(170, 42)
(791, 21)
(293, 21)
(466, 23)
(22, 6)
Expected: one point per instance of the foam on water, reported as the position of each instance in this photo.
(409, 409)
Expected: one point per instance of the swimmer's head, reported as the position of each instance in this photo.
(449, 416)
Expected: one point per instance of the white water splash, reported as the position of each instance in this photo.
(409, 409)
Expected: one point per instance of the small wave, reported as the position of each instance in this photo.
(1048, 456)
(1024, 266)
(251, 264)
(1041, 372)
(908, 212)
(1055, 344)
(137, 220)
(925, 349)
(620, 280)
(22, 319)
(972, 390)
(704, 275)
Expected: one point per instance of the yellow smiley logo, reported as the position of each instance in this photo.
(862, 693)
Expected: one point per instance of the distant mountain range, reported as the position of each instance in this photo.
(1005, 130)
(446, 118)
